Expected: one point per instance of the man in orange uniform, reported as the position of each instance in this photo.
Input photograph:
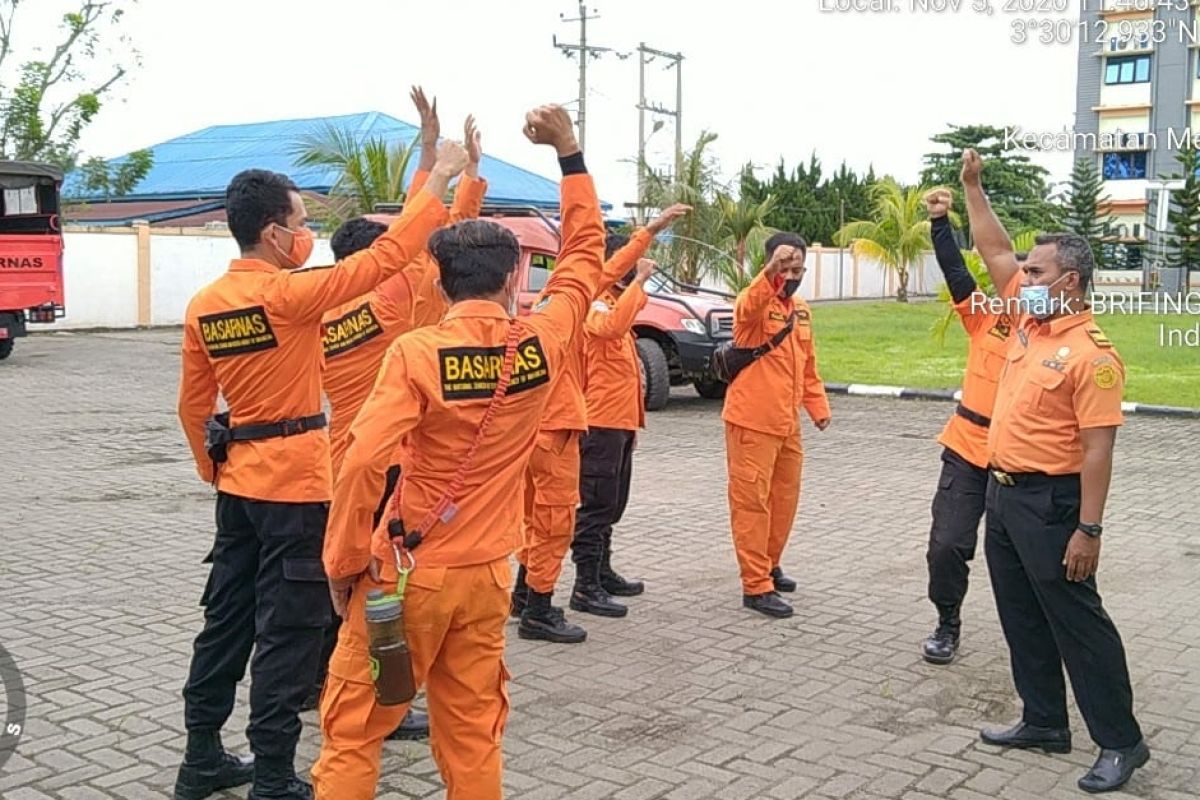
(438, 386)
(1050, 447)
(358, 333)
(552, 482)
(958, 503)
(615, 412)
(762, 426)
(254, 337)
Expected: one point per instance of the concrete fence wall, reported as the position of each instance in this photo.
(139, 276)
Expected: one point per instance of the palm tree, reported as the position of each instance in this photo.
(689, 252)
(897, 237)
(371, 171)
(742, 230)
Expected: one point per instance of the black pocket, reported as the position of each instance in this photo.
(303, 600)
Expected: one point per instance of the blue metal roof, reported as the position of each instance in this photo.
(200, 165)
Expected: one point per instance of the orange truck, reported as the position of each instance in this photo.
(677, 331)
(31, 248)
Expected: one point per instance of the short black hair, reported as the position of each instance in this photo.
(475, 258)
(1072, 253)
(782, 238)
(256, 198)
(1021, 257)
(354, 235)
(614, 242)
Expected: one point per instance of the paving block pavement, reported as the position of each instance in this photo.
(691, 696)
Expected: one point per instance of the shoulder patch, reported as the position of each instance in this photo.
(1105, 376)
(1002, 329)
(348, 331)
(237, 332)
(803, 315)
(600, 307)
(775, 316)
(1099, 338)
(472, 373)
(540, 304)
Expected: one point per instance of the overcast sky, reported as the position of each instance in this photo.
(772, 77)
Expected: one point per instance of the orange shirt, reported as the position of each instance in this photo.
(613, 377)
(1062, 376)
(358, 333)
(567, 408)
(767, 395)
(254, 336)
(988, 333)
(435, 386)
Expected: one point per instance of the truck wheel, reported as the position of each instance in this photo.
(6, 346)
(656, 374)
(710, 388)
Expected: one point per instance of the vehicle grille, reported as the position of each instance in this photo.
(722, 325)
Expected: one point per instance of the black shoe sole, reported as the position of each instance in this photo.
(402, 735)
(537, 634)
(768, 613)
(201, 792)
(1062, 748)
(939, 660)
(599, 612)
(785, 589)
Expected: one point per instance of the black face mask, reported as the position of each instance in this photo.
(789, 288)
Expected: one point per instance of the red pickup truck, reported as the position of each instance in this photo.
(31, 248)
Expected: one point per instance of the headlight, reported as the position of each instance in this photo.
(694, 325)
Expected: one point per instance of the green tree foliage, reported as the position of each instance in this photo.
(1016, 187)
(1183, 217)
(117, 178)
(48, 100)
(1081, 212)
(806, 201)
(896, 234)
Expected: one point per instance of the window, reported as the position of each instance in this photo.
(1124, 166)
(540, 267)
(1127, 69)
(21, 201)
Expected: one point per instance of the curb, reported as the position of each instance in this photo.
(954, 395)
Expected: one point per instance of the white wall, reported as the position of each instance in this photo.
(102, 275)
(100, 281)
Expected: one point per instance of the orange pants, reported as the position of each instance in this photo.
(551, 495)
(764, 490)
(454, 620)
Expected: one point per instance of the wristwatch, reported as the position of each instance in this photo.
(1092, 530)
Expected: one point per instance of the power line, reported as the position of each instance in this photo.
(584, 51)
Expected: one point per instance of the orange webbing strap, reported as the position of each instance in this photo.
(445, 509)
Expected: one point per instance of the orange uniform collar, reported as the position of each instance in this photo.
(487, 309)
(251, 265)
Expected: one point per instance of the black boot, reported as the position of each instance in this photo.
(782, 582)
(543, 621)
(415, 725)
(942, 645)
(207, 768)
(276, 779)
(768, 603)
(589, 596)
(613, 583)
(520, 594)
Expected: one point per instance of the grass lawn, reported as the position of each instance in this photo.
(892, 343)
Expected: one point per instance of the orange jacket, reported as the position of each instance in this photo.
(613, 382)
(989, 335)
(567, 409)
(435, 386)
(1062, 376)
(254, 336)
(357, 334)
(767, 395)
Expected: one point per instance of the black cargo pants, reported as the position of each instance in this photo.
(605, 472)
(267, 590)
(957, 508)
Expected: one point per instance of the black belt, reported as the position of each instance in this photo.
(285, 427)
(1029, 478)
(971, 416)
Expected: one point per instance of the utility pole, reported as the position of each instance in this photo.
(645, 56)
(584, 50)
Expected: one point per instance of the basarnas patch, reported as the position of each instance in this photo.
(237, 332)
(1105, 376)
(348, 331)
(472, 373)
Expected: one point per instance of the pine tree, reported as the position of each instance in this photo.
(1183, 218)
(1082, 211)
